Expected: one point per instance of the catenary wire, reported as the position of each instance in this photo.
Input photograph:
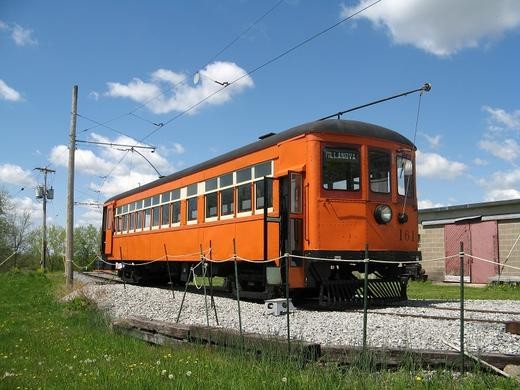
(215, 56)
(265, 64)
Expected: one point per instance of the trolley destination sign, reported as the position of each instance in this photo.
(343, 155)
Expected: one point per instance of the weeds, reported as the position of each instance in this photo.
(428, 290)
(45, 344)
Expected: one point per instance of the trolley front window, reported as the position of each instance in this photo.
(405, 179)
(341, 169)
(379, 171)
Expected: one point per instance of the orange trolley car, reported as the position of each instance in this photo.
(326, 194)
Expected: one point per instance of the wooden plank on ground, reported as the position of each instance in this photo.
(394, 357)
(166, 333)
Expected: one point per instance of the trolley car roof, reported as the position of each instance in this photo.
(330, 126)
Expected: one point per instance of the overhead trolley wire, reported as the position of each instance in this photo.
(138, 107)
(269, 62)
(162, 92)
(244, 32)
(227, 84)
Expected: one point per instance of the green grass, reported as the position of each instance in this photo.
(428, 290)
(45, 344)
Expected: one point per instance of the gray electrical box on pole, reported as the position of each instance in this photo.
(44, 193)
(69, 247)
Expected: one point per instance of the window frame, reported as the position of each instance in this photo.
(412, 194)
(172, 208)
(389, 178)
(211, 218)
(165, 206)
(348, 147)
(244, 213)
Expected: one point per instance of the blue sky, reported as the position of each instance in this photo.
(134, 63)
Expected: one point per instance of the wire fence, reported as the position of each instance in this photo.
(457, 264)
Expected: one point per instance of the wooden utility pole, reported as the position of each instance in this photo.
(69, 246)
(44, 193)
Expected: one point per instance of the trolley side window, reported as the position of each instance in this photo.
(165, 214)
(244, 198)
(176, 212)
(227, 204)
(132, 221)
(259, 191)
(192, 212)
(211, 205)
(139, 223)
(192, 209)
(341, 169)
(405, 179)
(379, 171)
(155, 216)
(147, 218)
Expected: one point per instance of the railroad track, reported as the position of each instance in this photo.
(434, 317)
(310, 304)
(105, 277)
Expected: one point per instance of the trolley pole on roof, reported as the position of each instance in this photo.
(69, 246)
(425, 88)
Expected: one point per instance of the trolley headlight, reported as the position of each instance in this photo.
(383, 214)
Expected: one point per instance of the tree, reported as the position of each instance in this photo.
(18, 224)
(56, 247)
(3, 225)
(15, 227)
(86, 245)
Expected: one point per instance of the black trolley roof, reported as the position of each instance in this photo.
(330, 126)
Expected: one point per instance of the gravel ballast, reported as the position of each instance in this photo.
(344, 328)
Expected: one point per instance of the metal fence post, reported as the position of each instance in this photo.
(287, 259)
(204, 276)
(237, 286)
(461, 255)
(365, 301)
(184, 295)
(213, 305)
(169, 272)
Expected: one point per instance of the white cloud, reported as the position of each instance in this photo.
(8, 93)
(178, 148)
(433, 140)
(501, 118)
(14, 174)
(89, 213)
(22, 36)
(175, 149)
(428, 204)
(435, 165)
(502, 133)
(116, 169)
(480, 162)
(85, 160)
(93, 95)
(116, 184)
(441, 27)
(31, 205)
(502, 185)
(507, 149)
(179, 95)
(505, 194)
